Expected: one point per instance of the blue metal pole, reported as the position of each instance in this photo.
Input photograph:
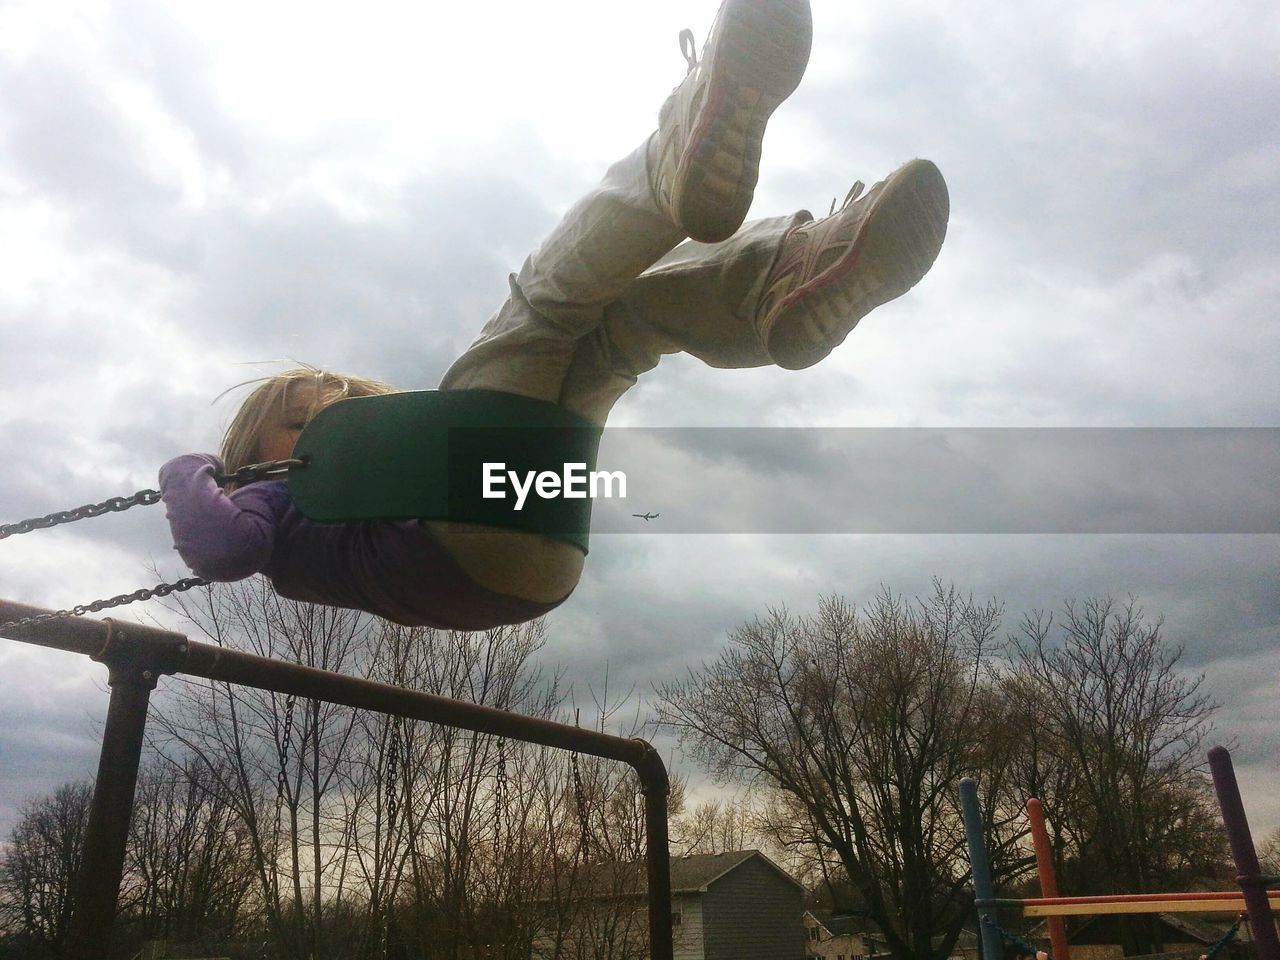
(980, 867)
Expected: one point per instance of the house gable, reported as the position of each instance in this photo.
(731, 906)
(839, 937)
(753, 911)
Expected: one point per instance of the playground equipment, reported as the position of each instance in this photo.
(136, 656)
(406, 455)
(1254, 899)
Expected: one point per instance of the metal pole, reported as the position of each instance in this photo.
(102, 869)
(1048, 877)
(1243, 853)
(73, 634)
(658, 857)
(263, 673)
(980, 867)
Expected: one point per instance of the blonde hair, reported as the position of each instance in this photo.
(270, 399)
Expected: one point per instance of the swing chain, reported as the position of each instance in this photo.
(159, 590)
(500, 793)
(393, 776)
(1223, 941)
(260, 471)
(143, 498)
(580, 797)
(1023, 948)
(282, 755)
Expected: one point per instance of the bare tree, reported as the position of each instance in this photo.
(1269, 853)
(189, 871)
(372, 834)
(719, 826)
(594, 904)
(273, 760)
(1120, 731)
(40, 870)
(464, 805)
(861, 724)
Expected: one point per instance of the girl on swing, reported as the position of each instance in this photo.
(616, 285)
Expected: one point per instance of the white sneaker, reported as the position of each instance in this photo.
(711, 127)
(831, 273)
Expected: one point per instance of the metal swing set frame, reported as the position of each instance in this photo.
(136, 656)
(1253, 900)
(439, 436)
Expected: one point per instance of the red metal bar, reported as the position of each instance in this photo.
(1048, 877)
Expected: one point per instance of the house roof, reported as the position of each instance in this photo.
(1205, 932)
(1194, 931)
(694, 874)
(839, 925)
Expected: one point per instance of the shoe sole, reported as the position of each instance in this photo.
(897, 244)
(760, 54)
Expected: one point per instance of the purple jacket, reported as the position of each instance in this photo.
(391, 568)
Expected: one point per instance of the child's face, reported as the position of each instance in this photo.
(281, 433)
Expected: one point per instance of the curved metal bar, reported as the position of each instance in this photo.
(142, 654)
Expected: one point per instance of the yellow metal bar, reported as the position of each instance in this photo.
(1141, 906)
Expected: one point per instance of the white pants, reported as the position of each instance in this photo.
(608, 292)
(611, 290)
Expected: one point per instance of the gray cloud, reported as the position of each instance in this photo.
(174, 64)
(398, 298)
(50, 718)
(790, 480)
(1110, 262)
(68, 142)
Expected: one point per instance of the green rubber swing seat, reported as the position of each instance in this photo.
(422, 455)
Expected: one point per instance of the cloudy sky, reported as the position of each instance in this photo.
(189, 192)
